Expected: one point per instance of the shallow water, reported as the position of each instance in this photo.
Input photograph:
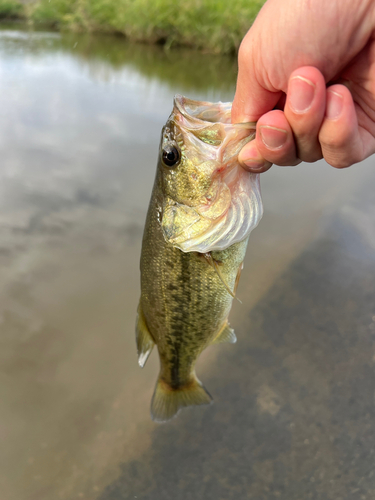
(80, 121)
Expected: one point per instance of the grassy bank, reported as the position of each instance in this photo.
(11, 9)
(210, 25)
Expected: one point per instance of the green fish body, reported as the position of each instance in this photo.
(202, 209)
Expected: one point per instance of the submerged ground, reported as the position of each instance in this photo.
(293, 418)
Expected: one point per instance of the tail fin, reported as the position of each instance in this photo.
(167, 402)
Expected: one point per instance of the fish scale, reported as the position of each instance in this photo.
(186, 296)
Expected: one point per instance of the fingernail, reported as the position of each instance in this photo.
(272, 137)
(334, 105)
(251, 159)
(301, 92)
(254, 169)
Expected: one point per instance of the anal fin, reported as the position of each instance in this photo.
(145, 342)
(226, 335)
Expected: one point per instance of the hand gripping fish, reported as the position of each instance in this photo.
(202, 210)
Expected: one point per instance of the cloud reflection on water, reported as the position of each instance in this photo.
(80, 121)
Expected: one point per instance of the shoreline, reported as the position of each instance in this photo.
(210, 26)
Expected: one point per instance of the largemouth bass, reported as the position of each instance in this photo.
(202, 210)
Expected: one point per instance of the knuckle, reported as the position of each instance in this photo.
(344, 157)
(334, 142)
(339, 150)
(335, 138)
(339, 164)
(244, 52)
(338, 161)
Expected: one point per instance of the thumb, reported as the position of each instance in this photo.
(252, 99)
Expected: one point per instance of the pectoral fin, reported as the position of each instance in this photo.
(214, 264)
(226, 335)
(238, 278)
(145, 342)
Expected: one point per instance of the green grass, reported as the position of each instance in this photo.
(210, 25)
(11, 9)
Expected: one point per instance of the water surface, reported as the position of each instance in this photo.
(80, 121)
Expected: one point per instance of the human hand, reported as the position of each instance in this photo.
(294, 49)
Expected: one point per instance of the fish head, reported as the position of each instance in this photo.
(203, 185)
(188, 157)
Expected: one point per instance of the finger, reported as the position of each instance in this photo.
(274, 139)
(250, 159)
(343, 142)
(251, 99)
(304, 110)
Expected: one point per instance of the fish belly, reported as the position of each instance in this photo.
(184, 307)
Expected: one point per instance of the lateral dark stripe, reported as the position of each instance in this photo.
(180, 314)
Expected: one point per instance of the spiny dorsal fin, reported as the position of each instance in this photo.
(226, 335)
(145, 342)
(167, 401)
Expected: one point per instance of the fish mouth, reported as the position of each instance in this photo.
(211, 124)
(208, 112)
(203, 111)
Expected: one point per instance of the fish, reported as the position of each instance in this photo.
(203, 207)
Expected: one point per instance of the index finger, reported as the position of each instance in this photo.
(252, 99)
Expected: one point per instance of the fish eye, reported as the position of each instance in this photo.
(171, 156)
